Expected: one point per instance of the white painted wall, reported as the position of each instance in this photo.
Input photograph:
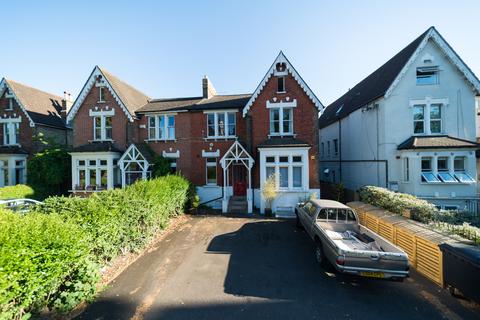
(365, 138)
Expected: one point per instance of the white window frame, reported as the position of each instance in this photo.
(101, 94)
(226, 124)
(281, 132)
(10, 104)
(406, 169)
(211, 164)
(427, 103)
(289, 164)
(436, 71)
(11, 131)
(87, 167)
(161, 133)
(103, 128)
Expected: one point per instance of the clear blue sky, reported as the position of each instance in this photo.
(164, 48)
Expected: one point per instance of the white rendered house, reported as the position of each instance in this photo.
(409, 126)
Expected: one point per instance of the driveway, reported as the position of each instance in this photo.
(220, 267)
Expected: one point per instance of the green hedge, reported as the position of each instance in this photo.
(397, 202)
(15, 192)
(124, 220)
(50, 258)
(451, 222)
(44, 262)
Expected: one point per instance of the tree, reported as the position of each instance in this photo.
(269, 190)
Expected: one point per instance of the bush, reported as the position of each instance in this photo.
(49, 172)
(16, 192)
(397, 202)
(44, 262)
(445, 221)
(123, 220)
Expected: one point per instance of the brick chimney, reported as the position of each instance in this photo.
(208, 89)
(66, 104)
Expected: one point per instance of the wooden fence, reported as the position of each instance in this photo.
(419, 242)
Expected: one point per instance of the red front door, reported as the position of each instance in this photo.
(239, 180)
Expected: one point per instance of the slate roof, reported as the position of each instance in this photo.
(436, 142)
(196, 103)
(132, 98)
(282, 142)
(371, 88)
(97, 147)
(42, 107)
(12, 150)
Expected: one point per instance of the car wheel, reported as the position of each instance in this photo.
(319, 256)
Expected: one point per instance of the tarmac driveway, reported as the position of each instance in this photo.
(220, 267)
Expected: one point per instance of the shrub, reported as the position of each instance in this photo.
(123, 220)
(269, 190)
(397, 202)
(161, 166)
(49, 172)
(16, 192)
(445, 221)
(44, 261)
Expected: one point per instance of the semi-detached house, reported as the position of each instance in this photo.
(27, 115)
(227, 145)
(409, 126)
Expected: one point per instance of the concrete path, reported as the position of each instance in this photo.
(249, 268)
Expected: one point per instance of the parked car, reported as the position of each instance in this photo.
(20, 205)
(342, 242)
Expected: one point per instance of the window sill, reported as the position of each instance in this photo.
(160, 140)
(105, 140)
(221, 138)
(281, 135)
(282, 92)
(101, 101)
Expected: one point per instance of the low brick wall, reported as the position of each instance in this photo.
(419, 242)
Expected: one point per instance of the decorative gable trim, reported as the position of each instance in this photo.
(448, 51)
(91, 82)
(290, 69)
(3, 86)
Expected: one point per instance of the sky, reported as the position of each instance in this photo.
(163, 48)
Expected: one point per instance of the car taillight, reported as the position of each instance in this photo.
(340, 260)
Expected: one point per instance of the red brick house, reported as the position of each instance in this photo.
(25, 114)
(227, 145)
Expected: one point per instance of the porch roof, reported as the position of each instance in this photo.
(436, 142)
(12, 150)
(283, 142)
(97, 147)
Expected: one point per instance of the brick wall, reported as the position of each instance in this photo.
(83, 123)
(305, 123)
(26, 131)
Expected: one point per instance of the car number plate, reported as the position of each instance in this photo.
(372, 274)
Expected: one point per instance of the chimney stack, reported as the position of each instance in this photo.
(66, 104)
(208, 89)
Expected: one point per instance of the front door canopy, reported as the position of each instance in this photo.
(133, 156)
(235, 154)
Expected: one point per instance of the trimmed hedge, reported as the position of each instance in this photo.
(451, 222)
(123, 220)
(44, 262)
(397, 202)
(15, 192)
(50, 258)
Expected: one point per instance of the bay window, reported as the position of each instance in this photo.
(281, 121)
(161, 127)
(427, 170)
(460, 172)
(92, 174)
(443, 170)
(288, 170)
(221, 125)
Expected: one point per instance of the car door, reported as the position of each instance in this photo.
(310, 217)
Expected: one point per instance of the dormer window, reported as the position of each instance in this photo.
(101, 94)
(281, 84)
(427, 75)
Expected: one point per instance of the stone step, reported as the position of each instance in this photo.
(239, 198)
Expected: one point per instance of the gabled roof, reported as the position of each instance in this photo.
(40, 107)
(383, 80)
(196, 103)
(435, 142)
(281, 58)
(129, 98)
